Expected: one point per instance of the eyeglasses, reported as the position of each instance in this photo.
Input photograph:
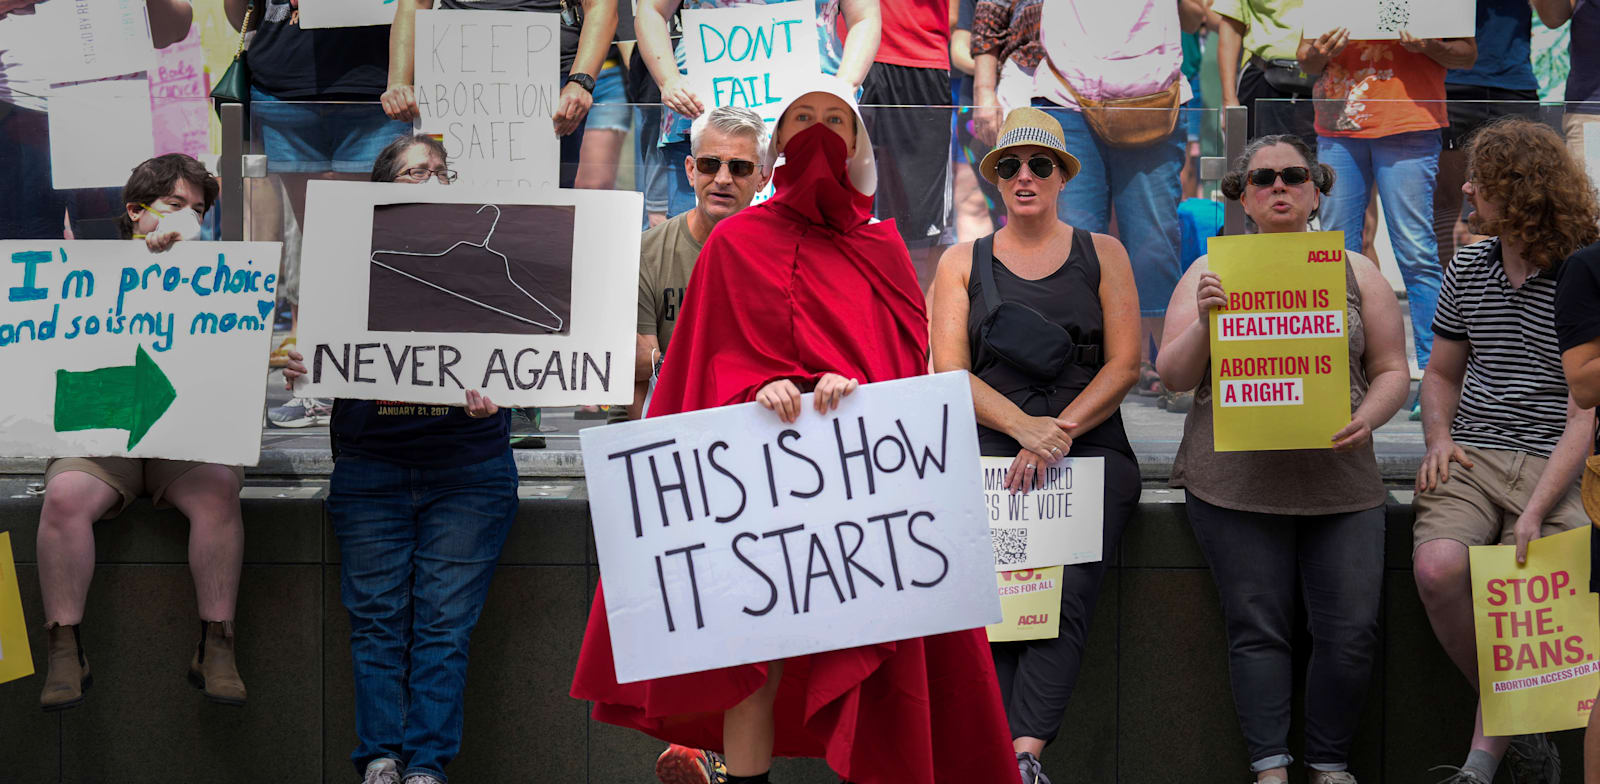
(422, 173)
(1042, 166)
(1294, 175)
(736, 167)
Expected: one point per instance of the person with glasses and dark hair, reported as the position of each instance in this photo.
(1278, 524)
(1080, 289)
(421, 500)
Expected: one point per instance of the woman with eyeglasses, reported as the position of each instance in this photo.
(421, 500)
(805, 293)
(1046, 318)
(1275, 524)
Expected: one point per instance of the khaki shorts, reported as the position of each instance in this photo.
(1480, 505)
(1572, 124)
(131, 477)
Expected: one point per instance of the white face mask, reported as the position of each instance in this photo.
(185, 222)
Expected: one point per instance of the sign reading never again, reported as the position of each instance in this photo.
(115, 350)
(1280, 367)
(727, 537)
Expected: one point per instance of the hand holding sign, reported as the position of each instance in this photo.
(680, 97)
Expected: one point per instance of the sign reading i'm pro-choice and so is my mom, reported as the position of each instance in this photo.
(1280, 368)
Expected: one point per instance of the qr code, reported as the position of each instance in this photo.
(1393, 15)
(1010, 545)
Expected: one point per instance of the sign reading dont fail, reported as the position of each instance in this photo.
(752, 56)
(727, 537)
(1280, 367)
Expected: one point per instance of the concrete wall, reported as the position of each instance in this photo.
(1153, 703)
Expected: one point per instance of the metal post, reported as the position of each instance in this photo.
(231, 172)
(1236, 132)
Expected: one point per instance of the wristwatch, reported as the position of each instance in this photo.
(582, 80)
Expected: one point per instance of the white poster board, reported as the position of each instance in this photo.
(489, 82)
(316, 14)
(754, 56)
(84, 153)
(419, 293)
(114, 350)
(1056, 525)
(727, 537)
(96, 40)
(1384, 19)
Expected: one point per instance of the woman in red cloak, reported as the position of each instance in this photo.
(806, 293)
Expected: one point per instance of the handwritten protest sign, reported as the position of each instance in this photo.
(419, 294)
(1280, 368)
(754, 56)
(1384, 19)
(727, 537)
(96, 40)
(1536, 626)
(179, 102)
(16, 661)
(82, 153)
(488, 83)
(1030, 603)
(345, 13)
(1061, 523)
(113, 350)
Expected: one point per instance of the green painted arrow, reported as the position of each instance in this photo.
(130, 397)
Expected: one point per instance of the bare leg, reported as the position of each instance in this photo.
(1281, 773)
(1591, 749)
(597, 160)
(747, 728)
(972, 210)
(209, 497)
(1032, 746)
(1150, 328)
(1442, 572)
(73, 501)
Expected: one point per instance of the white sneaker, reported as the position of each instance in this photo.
(301, 412)
(421, 778)
(382, 771)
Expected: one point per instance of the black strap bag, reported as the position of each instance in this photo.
(1019, 335)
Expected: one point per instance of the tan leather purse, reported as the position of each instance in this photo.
(1130, 122)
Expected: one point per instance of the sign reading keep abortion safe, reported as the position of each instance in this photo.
(753, 56)
(112, 350)
(487, 82)
(727, 537)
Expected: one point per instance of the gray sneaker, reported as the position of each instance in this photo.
(421, 778)
(1028, 767)
(1533, 759)
(1459, 776)
(1332, 777)
(382, 771)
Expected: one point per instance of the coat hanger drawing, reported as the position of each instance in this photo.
(485, 246)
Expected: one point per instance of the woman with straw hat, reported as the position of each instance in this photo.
(1046, 318)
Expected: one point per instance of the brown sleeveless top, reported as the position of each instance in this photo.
(1287, 482)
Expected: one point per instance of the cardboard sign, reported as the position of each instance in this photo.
(1280, 364)
(488, 83)
(1384, 19)
(98, 39)
(1536, 626)
(345, 13)
(1062, 523)
(180, 104)
(419, 293)
(82, 153)
(754, 56)
(1030, 601)
(16, 660)
(117, 351)
(727, 537)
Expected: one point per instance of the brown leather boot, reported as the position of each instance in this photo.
(212, 669)
(68, 675)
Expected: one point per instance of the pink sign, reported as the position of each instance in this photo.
(179, 100)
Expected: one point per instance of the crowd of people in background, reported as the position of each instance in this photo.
(1047, 192)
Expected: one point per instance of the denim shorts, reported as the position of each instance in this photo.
(611, 111)
(305, 137)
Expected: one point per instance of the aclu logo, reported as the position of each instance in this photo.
(1324, 256)
(1034, 619)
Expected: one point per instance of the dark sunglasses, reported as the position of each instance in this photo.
(738, 168)
(1042, 166)
(1294, 175)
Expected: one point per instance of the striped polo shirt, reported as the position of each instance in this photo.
(1514, 395)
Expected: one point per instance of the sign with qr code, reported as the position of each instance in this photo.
(726, 536)
(1059, 523)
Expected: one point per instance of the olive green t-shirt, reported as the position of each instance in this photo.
(666, 258)
(1272, 27)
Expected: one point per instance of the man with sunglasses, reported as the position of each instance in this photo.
(726, 168)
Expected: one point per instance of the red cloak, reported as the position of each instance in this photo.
(801, 285)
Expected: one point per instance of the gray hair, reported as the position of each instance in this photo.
(734, 121)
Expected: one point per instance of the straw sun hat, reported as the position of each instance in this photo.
(1027, 126)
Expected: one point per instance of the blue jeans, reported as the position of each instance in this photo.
(417, 550)
(1144, 186)
(681, 199)
(1404, 167)
(650, 172)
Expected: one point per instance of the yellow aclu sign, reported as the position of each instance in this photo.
(1030, 603)
(16, 661)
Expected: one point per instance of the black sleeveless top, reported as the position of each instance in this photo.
(1070, 296)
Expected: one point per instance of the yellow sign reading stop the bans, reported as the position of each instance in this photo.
(16, 661)
(1280, 368)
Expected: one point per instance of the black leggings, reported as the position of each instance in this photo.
(1037, 676)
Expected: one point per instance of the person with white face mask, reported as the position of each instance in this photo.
(164, 200)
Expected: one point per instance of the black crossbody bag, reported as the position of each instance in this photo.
(1019, 335)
